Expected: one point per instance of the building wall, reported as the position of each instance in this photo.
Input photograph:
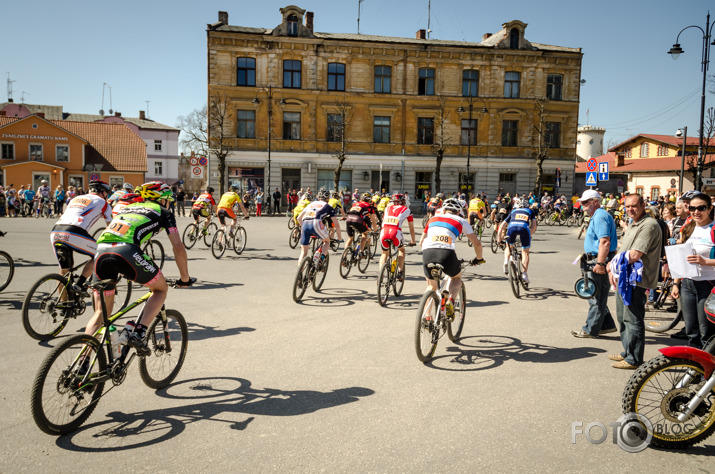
(168, 156)
(645, 183)
(590, 141)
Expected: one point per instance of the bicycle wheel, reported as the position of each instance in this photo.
(46, 211)
(291, 222)
(580, 232)
(397, 285)
(551, 219)
(454, 329)
(167, 341)
(480, 229)
(660, 320)
(514, 277)
(375, 240)
(346, 262)
(209, 235)
(320, 273)
(155, 251)
(63, 394)
(570, 221)
(659, 390)
(488, 222)
(294, 238)
(383, 284)
(426, 329)
(47, 307)
(363, 261)
(425, 219)
(7, 269)
(239, 240)
(218, 246)
(562, 219)
(191, 235)
(302, 278)
(334, 245)
(494, 243)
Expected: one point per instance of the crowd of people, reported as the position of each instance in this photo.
(27, 202)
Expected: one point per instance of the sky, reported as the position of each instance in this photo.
(62, 53)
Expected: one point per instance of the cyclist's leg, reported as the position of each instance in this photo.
(525, 239)
(385, 245)
(401, 256)
(306, 232)
(323, 233)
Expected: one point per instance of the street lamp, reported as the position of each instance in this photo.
(470, 101)
(256, 100)
(684, 133)
(676, 51)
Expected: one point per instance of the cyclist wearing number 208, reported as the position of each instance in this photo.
(521, 222)
(437, 244)
(311, 222)
(119, 252)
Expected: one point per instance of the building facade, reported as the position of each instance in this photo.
(589, 141)
(287, 89)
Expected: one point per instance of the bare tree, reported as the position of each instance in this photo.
(440, 140)
(219, 125)
(696, 165)
(339, 129)
(194, 132)
(540, 145)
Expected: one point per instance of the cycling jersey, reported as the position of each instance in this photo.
(228, 200)
(137, 223)
(519, 221)
(317, 210)
(83, 211)
(124, 201)
(203, 201)
(44, 192)
(116, 196)
(300, 206)
(360, 212)
(443, 229)
(335, 203)
(478, 206)
(392, 221)
(383, 203)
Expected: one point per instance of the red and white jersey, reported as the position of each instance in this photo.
(83, 211)
(395, 215)
(443, 229)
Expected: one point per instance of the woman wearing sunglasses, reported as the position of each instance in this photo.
(694, 291)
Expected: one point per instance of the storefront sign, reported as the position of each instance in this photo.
(423, 186)
(33, 137)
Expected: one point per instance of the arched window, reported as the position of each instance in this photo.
(292, 25)
(514, 38)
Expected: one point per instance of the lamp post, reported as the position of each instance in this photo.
(470, 101)
(684, 133)
(270, 129)
(676, 51)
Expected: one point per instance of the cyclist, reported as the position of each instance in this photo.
(361, 217)
(305, 199)
(126, 188)
(124, 200)
(434, 204)
(71, 232)
(43, 196)
(226, 206)
(382, 204)
(395, 215)
(119, 252)
(202, 207)
(311, 222)
(502, 210)
(437, 244)
(522, 222)
(335, 203)
(477, 210)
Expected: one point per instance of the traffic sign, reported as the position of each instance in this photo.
(94, 177)
(591, 164)
(197, 172)
(603, 171)
(591, 178)
(194, 161)
(203, 161)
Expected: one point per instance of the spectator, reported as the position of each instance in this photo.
(259, 202)
(642, 243)
(292, 201)
(172, 204)
(407, 200)
(425, 200)
(59, 199)
(3, 203)
(277, 201)
(600, 246)
(181, 201)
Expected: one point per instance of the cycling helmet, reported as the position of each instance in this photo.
(365, 197)
(210, 190)
(98, 186)
(323, 195)
(518, 203)
(440, 196)
(233, 188)
(131, 198)
(398, 198)
(128, 187)
(336, 195)
(453, 206)
(44, 181)
(306, 197)
(155, 190)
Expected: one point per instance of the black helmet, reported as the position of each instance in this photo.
(98, 186)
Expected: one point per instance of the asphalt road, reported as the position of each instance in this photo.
(333, 384)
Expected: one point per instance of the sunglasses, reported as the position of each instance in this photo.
(699, 208)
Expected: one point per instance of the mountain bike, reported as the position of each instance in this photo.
(155, 251)
(235, 240)
(559, 217)
(291, 221)
(71, 379)
(294, 237)
(353, 256)
(433, 318)
(311, 271)
(374, 239)
(45, 209)
(516, 279)
(387, 276)
(194, 232)
(494, 243)
(658, 317)
(584, 225)
(7, 268)
(52, 302)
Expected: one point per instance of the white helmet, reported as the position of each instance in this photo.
(453, 206)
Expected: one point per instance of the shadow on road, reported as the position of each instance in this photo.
(21, 262)
(226, 400)
(210, 285)
(336, 297)
(12, 300)
(535, 293)
(487, 352)
(198, 332)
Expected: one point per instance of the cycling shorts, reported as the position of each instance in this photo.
(445, 257)
(500, 216)
(203, 212)
(223, 213)
(312, 227)
(524, 236)
(473, 218)
(356, 226)
(67, 239)
(124, 259)
(391, 234)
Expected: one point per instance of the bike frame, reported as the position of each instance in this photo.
(706, 360)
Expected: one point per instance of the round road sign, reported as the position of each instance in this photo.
(592, 164)
(203, 161)
(94, 177)
(194, 161)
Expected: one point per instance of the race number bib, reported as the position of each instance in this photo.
(310, 214)
(521, 217)
(442, 239)
(80, 203)
(118, 228)
(355, 209)
(391, 220)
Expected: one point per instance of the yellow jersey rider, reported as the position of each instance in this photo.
(477, 210)
(225, 208)
(305, 199)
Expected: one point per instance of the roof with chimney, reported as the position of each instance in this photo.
(669, 163)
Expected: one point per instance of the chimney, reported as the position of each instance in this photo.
(10, 100)
(421, 34)
(309, 21)
(41, 114)
(485, 36)
(117, 114)
(142, 115)
(223, 17)
(3, 113)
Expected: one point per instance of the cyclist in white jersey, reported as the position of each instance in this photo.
(71, 232)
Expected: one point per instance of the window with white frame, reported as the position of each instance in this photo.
(158, 168)
(62, 153)
(157, 145)
(7, 151)
(35, 152)
(644, 150)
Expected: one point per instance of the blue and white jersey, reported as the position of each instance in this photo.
(521, 217)
(317, 210)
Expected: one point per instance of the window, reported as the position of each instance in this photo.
(553, 86)
(426, 82)
(246, 124)
(470, 83)
(326, 179)
(291, 74)
(335, 127)
(245, 72)
(514, 38)
(469, 132)
(292, 29)
(336, 77)
(158, 168)
(381, 130)
(425, 131)
(663, 150)
(511, 84)
(629, 152)
(508, 132)
(553, 134)
(423, 184)
(157, 145)
(466, 182)
(62, 153)
(639, 190)
(644, 150)
(116, 181)
(383, 77)
(35, 152)
(654, 193)
(291, 125)
(8, 151)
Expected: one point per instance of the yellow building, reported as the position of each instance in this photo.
(395, 90)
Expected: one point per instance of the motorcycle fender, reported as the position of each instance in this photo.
(704, 359)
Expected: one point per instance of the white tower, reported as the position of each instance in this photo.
(590, 141)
